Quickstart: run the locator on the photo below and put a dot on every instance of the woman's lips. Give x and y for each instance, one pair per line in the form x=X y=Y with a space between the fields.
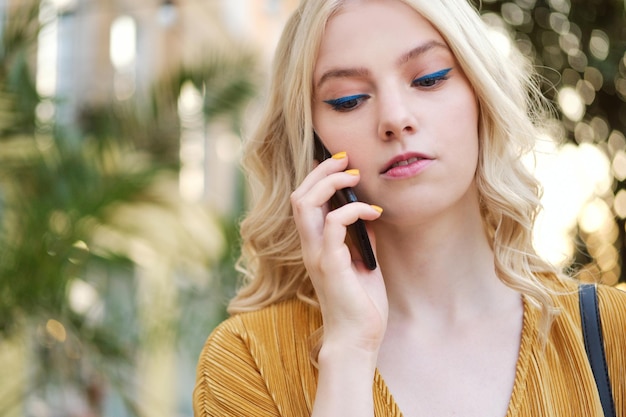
x=404 y=162
x=406 y=165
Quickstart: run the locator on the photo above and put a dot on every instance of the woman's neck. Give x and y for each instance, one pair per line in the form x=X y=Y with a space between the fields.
x=442 y=269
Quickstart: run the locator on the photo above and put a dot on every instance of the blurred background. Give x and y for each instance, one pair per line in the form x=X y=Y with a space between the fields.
x=121 y=123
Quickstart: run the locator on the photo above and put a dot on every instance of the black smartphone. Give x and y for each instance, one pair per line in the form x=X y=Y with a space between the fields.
x=356 y=231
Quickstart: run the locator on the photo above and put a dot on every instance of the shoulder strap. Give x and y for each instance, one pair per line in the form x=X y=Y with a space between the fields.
x=594 y=344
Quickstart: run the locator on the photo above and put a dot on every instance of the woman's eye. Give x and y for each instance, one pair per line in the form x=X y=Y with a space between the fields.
x=347 y=103
x=431 y=80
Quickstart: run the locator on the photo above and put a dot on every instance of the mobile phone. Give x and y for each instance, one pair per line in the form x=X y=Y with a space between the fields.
x=356 y=231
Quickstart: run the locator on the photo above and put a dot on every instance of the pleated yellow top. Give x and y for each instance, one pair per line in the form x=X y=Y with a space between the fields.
x=258 y=364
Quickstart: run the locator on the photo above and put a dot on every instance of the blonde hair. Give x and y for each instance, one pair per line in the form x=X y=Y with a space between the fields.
x=279 y=156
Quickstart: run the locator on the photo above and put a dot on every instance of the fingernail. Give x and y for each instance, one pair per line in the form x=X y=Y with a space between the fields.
x=377 y=208
x=340 y=155
x=353 y=171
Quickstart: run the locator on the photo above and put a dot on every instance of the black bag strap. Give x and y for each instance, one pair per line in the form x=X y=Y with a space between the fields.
x=594 y=345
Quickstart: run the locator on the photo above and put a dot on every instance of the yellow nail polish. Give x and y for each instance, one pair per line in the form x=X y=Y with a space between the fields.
x=340 y=155
x=377 y=208
x=352 y=171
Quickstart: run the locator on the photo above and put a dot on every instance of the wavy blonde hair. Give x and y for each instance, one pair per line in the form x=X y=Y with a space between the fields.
x=280 y=155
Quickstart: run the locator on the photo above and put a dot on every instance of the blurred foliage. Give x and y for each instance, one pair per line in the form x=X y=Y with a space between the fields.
x=578 y=43
x=226 y=81
x=81 y=205
x=579 y=49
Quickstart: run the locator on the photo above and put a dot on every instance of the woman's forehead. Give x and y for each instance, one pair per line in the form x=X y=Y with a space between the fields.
x=385 y=27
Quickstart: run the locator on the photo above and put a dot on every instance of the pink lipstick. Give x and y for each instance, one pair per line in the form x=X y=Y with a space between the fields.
x=406 y=165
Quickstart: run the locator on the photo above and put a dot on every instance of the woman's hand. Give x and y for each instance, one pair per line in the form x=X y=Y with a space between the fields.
x=352 y=298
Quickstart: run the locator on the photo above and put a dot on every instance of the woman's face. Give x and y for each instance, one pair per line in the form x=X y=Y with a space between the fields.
x=389 y=92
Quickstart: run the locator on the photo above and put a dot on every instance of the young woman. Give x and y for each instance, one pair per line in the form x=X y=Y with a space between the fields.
x=426 y=120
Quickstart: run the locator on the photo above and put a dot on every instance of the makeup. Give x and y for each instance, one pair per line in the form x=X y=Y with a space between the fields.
x=347 y=103
x=406 y=165
x=430 y=80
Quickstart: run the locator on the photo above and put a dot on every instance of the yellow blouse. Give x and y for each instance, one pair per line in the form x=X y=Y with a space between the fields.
x=258 y=364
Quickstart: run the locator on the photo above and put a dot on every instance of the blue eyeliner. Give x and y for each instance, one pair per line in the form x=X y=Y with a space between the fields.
x=337 y=103
x=435 y=76
x=347 y=103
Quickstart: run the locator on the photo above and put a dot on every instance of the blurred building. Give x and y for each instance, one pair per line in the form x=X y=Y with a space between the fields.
x=95 y=51
x=113 y=48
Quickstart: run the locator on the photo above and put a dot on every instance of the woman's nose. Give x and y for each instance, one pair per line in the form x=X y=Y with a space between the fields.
x=397 y=117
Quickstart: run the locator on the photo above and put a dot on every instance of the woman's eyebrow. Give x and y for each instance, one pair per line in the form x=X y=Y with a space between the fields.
x=342 y=73
x=363 y=72
x=421 y=49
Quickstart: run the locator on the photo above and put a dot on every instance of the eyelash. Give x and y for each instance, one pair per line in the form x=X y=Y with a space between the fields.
x=348 y=103
x=431 y=80
x=344 y=104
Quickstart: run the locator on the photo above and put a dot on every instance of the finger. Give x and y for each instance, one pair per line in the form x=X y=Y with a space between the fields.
x=357 y=246
x=335 y=231
x=338 y=162
x=310 y=208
